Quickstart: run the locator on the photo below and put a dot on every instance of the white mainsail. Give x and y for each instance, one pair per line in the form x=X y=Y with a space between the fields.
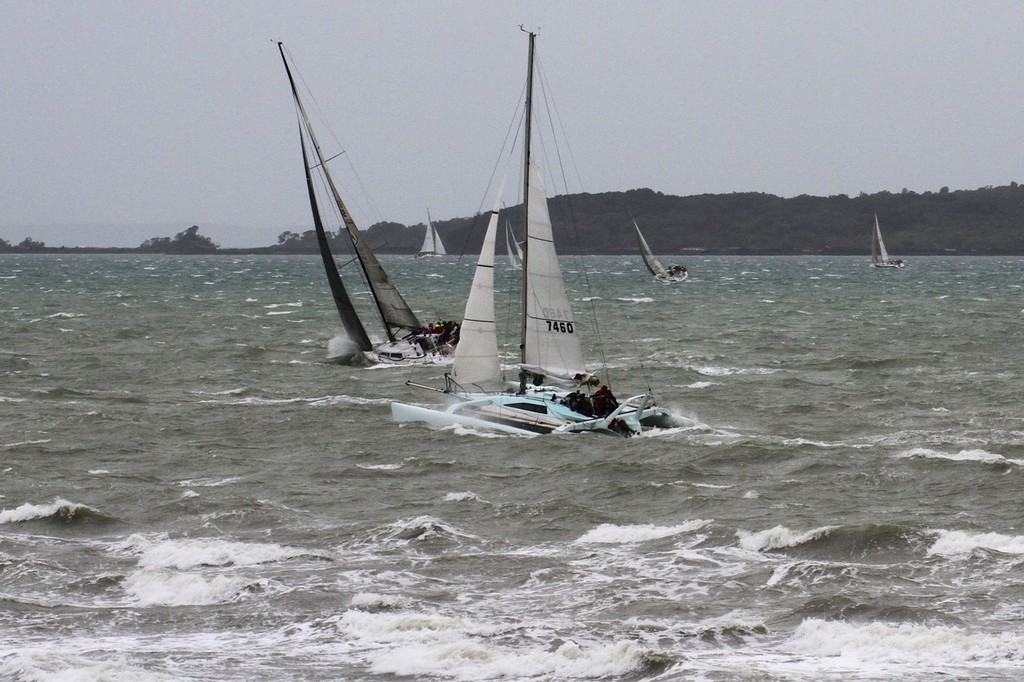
x=653 y=264
x=550 y=346
x=881 y=245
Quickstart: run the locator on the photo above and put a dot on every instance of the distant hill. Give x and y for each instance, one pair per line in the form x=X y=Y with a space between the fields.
x=985 y=221
x=989 y=220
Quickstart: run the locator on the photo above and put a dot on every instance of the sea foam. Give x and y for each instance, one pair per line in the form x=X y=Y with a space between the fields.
x=191 y=553
x=905 y=643
x=958 y=542
x=611 y=534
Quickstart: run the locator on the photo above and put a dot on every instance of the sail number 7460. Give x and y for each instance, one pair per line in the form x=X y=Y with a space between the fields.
x=559 y=326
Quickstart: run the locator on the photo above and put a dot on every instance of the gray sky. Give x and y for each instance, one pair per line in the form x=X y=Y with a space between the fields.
x=178 y=113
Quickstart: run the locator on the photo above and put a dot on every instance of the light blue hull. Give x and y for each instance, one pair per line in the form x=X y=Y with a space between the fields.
x=532 y=415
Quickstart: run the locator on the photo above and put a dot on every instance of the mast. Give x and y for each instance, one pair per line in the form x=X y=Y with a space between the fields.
x=526 y=203
x=349 y=318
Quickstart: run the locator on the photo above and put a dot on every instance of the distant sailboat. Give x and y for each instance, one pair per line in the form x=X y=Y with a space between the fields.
x=879 y=256
x=407 y=340
x=549 y=346
x=432 y=246
x=512 y=248
x=676 y=273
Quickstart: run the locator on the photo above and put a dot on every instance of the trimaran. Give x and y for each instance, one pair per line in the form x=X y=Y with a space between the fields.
x=407 y=339
x=550 y=347
x=879 y=256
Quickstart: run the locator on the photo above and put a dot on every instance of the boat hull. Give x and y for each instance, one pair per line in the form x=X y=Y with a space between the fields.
x=420 y=349
x=534 y=415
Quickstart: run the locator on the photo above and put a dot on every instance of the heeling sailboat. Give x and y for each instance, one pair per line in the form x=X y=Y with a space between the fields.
x=512 y=248
x=677 y=273
x=550 y=346
x=432 y=246
x=879 y=256
x=407 y=340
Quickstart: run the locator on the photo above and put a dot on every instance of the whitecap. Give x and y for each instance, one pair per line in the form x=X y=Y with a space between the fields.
x=190 y=553
x=54 y=666
x=608 y=533
x=370 y=601
x=463 y=497
x=778 y=537
x=160 y=587
x=210 y=483
x=420 y=645
x=983 y=456
x=28 y=442
x=28 y=511
x=904 y=643
x=958 y=542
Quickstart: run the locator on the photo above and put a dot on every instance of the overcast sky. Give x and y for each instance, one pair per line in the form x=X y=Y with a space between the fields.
x=178 y=113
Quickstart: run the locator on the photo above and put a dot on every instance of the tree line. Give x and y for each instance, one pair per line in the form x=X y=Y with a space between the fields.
x=985 y=221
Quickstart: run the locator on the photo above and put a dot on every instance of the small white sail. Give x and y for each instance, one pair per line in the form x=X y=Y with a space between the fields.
x=879 y=255
x=432 y=245
x=653 y=264
x=476 y=356
x=512 y=248
x=881 y=245
x=552 y=346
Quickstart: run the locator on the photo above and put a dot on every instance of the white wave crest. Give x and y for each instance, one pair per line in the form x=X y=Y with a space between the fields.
x=424 y=527
x=463 y=497
x=372 y=601
x=608 y=533
x=958 y=542
x=983 y=456
x=905 y=643
x=778 y=537
x=28 y=511
x=50 y=666
x=160 y=587
x=424 y=645
x=185 y=554
x=718 y=371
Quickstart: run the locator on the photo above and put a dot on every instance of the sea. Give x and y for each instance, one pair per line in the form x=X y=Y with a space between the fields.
x=193 y=487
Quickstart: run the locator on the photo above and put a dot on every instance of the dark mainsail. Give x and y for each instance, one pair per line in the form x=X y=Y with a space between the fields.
x=394 y=311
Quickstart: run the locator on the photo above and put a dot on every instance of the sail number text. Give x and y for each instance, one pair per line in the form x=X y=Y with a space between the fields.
x=559 y=326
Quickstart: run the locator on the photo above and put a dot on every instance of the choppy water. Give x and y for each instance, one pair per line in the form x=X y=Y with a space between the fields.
x=188 y=491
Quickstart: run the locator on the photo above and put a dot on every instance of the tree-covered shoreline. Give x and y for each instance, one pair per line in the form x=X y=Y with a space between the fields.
x=985 y=221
